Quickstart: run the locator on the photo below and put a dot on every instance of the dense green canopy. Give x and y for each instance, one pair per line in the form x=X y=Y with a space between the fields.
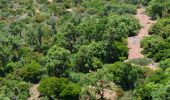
x=74 y=49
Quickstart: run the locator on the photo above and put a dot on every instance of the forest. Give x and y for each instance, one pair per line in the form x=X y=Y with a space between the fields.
x=78 y=50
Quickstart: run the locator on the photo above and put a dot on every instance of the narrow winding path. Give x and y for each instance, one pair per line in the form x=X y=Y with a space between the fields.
x=33 y=91
x=134 y=42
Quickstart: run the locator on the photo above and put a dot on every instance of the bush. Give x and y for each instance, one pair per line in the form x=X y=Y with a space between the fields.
x=39 y=18
x=162 y=55
x=156 y=28
x=165 y=64
x=70 y=92
x=158 y=8
x=31 y=72
x=156 y=47
x=125 y=74
x=13 y=89
x=162 y=93
x=57 y=61
x=141 y=61
x=158 y=77
x=143 y=92
x=165 y=32
x=53 y=87
x=155 y=9
x=88 y=57
x=149 y=45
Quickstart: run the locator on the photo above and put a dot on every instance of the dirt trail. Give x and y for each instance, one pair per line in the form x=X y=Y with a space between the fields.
x=134 y=42
x=34 y=94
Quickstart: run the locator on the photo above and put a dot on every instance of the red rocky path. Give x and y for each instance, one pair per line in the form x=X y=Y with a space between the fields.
x=134 y=42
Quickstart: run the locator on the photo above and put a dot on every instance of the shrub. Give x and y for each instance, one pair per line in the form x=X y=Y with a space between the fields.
x=60 y=88
x=156 y=28
x=164 y=64
x=165 y=32
x=162 y=55
x=70 y=92
x=149 y=44
x=57 y=61
x=31 y=72
x=125 y=74
x=52 y=86
x=158 y=8
x=141 y=61
x=13 y=89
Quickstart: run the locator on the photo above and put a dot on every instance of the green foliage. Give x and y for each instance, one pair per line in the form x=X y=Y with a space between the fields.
x=120 y=73
x=71 y=91
x=149 y=44
x=31 y=72
x=144 y=92
x=108 y=7
x=88 y=57
x=162 y=55
x=51 y=86
x=164 y=64
x=58 y=88
x=162 y=92
x=96 y=90
x=158 y=77
x=13 y=89
x=158 y=8
x=125 y=74
x=158 y=47
x=141 y=61
x=80 y=40
x=159 y=27
x=57 y=61
x=156 y=82
x=154 y=87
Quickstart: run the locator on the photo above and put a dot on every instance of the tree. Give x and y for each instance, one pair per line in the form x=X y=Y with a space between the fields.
x=144 y=92
x=9 y=46
x=165 y=64
x=71 y=35
x=155 y=8
x=158 y=77
x=57 y=61
x=59 y=88
x=150 y=91
x=52 y=22
x=125 y=74
x=13 y=89
x=159 y=26
x=16 y=28
x=52 y=86
x=165 y=32
x=70 y=92
x=158 y=8
x=36 y=36
x=31 y=72
x=88 y=57
x=162 y=55
x=162 y=93
x=149 y=44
